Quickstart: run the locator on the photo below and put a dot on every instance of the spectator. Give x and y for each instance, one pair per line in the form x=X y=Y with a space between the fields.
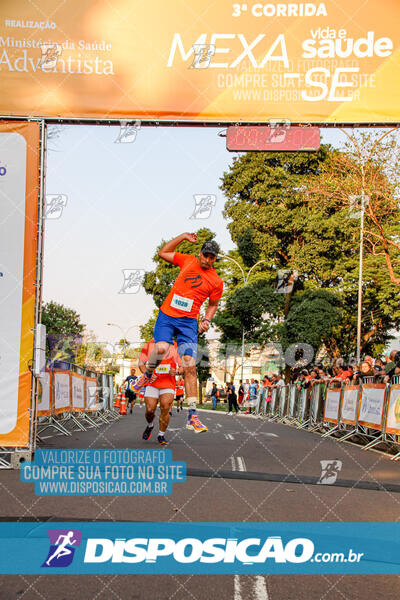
x=241 y=392
x=232 y=399
x=393 y=365
x=214 y=393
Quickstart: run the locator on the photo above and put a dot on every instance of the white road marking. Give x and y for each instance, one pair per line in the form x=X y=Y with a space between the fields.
x=229 y=436
x=249 y=588
x=260 y=588
x=241 y=463
x=237 y=593
x=233 y=463
x=254 y=433
x=219 y=425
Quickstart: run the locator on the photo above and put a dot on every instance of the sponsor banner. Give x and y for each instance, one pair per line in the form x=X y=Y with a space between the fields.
x=332 y=403
x=103 y=472
x=349 y=405
x=43 y=407
x=316 y=61
x=61 y=391
x=222 y=548
x=371 y=405
x=91 y=394
x=393 y=411
x=77 y=392
x=19 y=181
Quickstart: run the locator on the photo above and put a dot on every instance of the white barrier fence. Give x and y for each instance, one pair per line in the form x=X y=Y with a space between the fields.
x=74 y=399
x=368 y=414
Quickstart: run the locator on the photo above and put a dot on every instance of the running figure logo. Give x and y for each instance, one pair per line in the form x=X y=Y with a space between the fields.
x=128 y=132
x=63 y=543
x=329 y=471
x=203 y=205
x=133 y=279
x=55 y=203
x=194 y=279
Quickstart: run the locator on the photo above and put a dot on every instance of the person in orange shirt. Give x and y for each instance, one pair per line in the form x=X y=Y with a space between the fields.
x=180 y=392
x=161 y=388
x=196 y=282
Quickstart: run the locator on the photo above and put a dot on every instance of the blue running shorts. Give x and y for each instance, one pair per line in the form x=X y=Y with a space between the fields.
x=185 y=329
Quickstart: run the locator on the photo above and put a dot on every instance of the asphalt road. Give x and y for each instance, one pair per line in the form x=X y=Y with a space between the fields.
x=243 y=469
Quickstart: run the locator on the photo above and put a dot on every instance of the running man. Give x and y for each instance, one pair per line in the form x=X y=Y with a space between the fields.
x=196 y=282
x=180 y=393
x=161 y=388
x=62 y=550
x=129 y=394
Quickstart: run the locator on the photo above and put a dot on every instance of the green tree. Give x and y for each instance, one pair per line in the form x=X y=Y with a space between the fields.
x=322 y=309
x=64 y=331
x=297 y=209
x=61 y=320
x=146 y=331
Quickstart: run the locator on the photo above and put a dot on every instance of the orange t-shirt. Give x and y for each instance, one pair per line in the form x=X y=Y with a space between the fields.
x=191 y=288
x=180 y=389
x=172 y=360
x=344 y=375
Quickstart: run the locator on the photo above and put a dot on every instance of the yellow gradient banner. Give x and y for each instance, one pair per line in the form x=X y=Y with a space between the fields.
x=19 y=184
x=309 y=62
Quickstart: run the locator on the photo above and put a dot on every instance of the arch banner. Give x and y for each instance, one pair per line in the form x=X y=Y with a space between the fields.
x=303 y=62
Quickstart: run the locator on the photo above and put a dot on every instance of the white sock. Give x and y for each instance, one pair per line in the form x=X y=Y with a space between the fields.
x=161 y=433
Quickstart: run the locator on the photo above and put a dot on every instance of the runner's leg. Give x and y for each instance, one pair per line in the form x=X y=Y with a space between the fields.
x=151 y=405
x=166 y=401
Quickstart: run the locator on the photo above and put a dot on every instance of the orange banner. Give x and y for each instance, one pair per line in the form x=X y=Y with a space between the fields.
x=19 y=185
x=335 y=61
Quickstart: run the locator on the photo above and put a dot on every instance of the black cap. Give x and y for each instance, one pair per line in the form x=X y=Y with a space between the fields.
x=210 y=247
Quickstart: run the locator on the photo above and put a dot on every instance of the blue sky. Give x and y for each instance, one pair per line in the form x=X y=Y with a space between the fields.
x=122 y=199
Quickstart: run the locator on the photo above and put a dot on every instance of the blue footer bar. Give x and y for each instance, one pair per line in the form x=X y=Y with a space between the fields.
x=209 y=548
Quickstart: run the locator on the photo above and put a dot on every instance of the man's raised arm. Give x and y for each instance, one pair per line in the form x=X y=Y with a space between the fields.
x=168 y=250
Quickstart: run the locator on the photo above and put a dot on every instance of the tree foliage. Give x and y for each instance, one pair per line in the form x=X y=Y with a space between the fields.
x=293 y=211
x=61 y=320
x=64 y=331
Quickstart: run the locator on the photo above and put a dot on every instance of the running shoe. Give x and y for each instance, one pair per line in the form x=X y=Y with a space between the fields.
x=196 y=425
x=147 y=433
x=162 y=441
x=140 y=383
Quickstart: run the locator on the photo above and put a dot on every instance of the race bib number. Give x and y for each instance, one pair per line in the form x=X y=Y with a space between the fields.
x=163 y=369
x=182 y=303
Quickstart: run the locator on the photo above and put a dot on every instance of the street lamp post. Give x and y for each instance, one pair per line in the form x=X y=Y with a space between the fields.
x=360 y=277
x=245 y=281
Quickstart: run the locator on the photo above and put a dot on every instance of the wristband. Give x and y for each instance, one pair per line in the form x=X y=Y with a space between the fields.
x=207 y=320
